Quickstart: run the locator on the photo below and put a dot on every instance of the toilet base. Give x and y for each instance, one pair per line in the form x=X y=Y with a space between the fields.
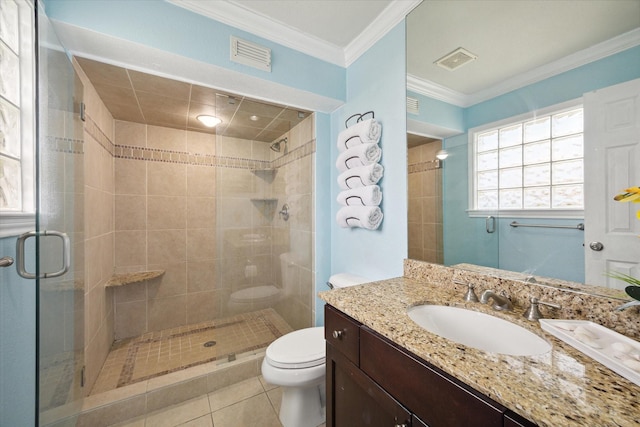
x=303 y=406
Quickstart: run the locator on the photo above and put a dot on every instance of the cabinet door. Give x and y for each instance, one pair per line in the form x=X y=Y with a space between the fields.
x=354 y=400
x=437 y=398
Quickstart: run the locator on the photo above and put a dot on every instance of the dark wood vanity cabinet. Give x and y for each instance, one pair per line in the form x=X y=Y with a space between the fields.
x=373 y=382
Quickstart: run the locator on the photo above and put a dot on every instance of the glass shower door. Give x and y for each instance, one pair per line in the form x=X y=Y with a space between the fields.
x=59 y=234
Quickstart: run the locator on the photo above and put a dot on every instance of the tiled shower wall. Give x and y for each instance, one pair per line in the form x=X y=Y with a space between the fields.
x=164 y=220
x=98 y=225
x=192 y=204
x=425 y=204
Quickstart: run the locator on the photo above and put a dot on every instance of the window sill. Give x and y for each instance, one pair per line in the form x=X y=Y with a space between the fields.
x=528 y=213
x=16 y=223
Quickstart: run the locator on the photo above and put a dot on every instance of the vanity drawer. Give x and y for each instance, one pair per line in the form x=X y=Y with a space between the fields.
x=343 y=333
x=434 y=396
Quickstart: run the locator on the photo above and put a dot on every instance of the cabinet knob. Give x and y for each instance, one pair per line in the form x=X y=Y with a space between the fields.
x=338 y=334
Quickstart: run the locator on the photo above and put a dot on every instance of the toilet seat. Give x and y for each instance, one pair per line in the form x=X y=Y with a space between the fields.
x=255 y=294
x=304 y=348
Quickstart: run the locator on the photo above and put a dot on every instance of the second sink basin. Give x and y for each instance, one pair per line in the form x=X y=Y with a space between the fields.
x=478 y=330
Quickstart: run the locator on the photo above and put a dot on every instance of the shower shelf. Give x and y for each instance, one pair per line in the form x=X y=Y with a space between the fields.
x=264 y=170
x=128 y=278
x=265 y=200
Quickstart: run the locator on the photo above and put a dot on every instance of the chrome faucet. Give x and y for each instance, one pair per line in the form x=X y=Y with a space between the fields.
x=500 y=302
x=627 y=305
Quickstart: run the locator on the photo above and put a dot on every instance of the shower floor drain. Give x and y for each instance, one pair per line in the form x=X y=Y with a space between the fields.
x=209 y=343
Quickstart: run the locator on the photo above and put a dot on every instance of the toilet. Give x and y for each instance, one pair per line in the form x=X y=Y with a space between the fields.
x=296 y=362
x=260 y=297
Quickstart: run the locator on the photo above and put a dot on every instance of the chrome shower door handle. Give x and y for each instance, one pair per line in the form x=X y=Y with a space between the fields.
x=20 y=255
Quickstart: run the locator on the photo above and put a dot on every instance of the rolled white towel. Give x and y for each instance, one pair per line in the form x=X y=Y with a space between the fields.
x=370 y=195
x=361 y=176
x=364 y=132
x=360 y=155
x=368 y=217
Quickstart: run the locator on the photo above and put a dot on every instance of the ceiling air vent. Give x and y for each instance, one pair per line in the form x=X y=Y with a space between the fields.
x=413 y=106
x=253 y=55
x=456 y=59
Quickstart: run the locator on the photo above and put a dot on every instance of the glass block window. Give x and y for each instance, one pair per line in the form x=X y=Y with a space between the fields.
x=17 y=102
x=534 y=164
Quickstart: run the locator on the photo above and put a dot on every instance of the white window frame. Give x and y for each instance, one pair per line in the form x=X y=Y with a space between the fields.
x=517 y=213
x=15 y=222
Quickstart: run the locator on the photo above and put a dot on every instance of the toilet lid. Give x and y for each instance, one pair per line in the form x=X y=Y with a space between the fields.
x=255 y=293
x=303 y=348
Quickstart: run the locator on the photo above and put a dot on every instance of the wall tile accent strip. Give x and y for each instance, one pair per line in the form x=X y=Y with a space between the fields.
x=424 y=166
x=65 y=145
x=170 y=156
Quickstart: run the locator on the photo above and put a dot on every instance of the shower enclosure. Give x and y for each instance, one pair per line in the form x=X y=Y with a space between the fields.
x=199 y=242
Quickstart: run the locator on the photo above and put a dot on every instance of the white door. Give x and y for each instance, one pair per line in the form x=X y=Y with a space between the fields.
x=612 y=164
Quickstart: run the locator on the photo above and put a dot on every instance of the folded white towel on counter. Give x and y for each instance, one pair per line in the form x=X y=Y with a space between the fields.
x=361 y=176
x=360 y=155
x=364 y=132
x=370 y=195
x=368 y=217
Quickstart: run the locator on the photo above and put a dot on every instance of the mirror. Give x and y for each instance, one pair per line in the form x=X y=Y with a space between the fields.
x=443 y=103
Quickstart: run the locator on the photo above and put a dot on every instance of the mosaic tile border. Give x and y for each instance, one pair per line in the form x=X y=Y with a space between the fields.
x=126 y=375
x=183 y=157
x=424 y=166
x=65 y=145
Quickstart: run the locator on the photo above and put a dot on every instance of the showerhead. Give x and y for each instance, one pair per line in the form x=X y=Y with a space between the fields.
x=276 y=145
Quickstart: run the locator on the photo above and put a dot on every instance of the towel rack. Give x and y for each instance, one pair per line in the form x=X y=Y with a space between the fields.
x=359 y=117
x=580 y=226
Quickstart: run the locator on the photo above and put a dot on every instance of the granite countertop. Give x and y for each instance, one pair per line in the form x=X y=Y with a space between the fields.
x=561 y=388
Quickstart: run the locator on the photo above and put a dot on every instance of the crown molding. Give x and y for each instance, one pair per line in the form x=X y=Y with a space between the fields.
x=393 y=14
x=240 y=17
x=436 y=91
x=237 y=16
x=602 y=50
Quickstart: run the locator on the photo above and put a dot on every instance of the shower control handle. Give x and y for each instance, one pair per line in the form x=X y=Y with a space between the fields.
x=284 y=213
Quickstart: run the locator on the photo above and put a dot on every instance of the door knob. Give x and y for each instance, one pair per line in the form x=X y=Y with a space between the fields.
x=596 y=246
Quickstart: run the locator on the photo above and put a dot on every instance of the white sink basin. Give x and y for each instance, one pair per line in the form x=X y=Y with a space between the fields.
x=478 y=330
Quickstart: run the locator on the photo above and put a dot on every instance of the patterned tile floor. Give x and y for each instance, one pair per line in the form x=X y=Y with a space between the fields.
x=158 y=353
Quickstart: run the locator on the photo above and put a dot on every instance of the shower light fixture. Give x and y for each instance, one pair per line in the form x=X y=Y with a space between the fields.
x=254 y=118
x=209 y=121
x=442 y=154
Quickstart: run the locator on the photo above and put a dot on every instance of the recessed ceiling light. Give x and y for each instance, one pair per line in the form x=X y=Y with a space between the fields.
x=209 y=121
x=254 y=118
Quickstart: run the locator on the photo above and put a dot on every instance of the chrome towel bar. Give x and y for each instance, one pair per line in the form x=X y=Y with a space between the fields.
x=574 y=227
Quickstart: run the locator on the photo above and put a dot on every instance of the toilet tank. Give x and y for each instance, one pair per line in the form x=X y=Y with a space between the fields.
x=343 y=280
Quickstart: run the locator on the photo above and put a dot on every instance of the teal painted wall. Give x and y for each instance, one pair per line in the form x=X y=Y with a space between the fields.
x=376 y=81
x=323 y=217
x=555 y=253
x=17 y=341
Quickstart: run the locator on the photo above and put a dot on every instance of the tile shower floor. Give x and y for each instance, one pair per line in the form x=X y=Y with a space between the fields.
x=157 y=353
